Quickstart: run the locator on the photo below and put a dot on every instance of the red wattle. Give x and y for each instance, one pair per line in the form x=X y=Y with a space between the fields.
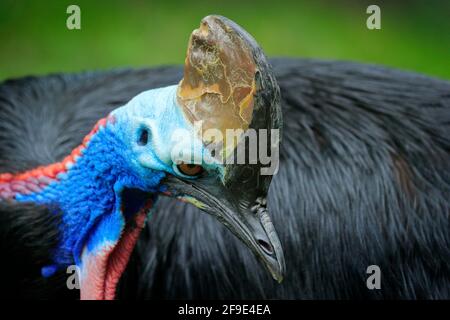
x=102 y=270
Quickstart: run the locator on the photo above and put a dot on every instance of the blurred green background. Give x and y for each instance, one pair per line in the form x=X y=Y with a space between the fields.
x=415 y=35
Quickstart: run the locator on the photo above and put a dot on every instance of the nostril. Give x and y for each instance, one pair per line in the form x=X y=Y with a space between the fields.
x=266 y=246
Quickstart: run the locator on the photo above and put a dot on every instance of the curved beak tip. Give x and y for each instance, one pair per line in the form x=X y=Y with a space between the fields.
x=279 y=271
x=279 y=278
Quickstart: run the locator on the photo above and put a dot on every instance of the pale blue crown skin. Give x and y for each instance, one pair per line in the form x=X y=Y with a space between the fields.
x=158 y=111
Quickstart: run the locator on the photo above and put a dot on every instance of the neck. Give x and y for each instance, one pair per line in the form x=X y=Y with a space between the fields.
x=98 y=195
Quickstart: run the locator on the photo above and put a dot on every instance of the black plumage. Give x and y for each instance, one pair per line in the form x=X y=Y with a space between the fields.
x=364 y=179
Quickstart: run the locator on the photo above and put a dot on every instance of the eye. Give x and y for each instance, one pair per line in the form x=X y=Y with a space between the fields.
x=191 y=170
x=143 y=137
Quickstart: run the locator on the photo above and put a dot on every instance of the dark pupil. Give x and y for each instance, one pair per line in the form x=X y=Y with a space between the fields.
x=191 y=166
x=143 y=138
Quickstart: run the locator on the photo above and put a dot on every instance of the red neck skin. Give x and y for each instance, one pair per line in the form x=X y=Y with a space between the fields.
x=101 y=272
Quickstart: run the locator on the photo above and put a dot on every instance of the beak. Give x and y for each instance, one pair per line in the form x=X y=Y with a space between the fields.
x=251 y=224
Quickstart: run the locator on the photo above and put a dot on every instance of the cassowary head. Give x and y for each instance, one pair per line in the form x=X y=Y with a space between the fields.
x=211 y=140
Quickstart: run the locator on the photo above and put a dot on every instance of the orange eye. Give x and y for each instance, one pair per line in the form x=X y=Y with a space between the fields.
x=189 y=169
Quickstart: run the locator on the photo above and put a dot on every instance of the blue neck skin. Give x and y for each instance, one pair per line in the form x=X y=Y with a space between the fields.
x=91 y=191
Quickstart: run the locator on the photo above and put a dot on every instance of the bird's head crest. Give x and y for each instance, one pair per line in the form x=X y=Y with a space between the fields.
x=227 y=83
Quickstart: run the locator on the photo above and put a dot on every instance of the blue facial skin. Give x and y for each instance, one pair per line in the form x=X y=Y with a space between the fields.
x=89 y=194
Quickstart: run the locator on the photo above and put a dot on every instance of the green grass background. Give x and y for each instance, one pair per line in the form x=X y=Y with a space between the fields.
x=34 y=39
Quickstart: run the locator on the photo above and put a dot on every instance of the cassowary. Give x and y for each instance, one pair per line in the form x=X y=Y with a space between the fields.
x=363 y=180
